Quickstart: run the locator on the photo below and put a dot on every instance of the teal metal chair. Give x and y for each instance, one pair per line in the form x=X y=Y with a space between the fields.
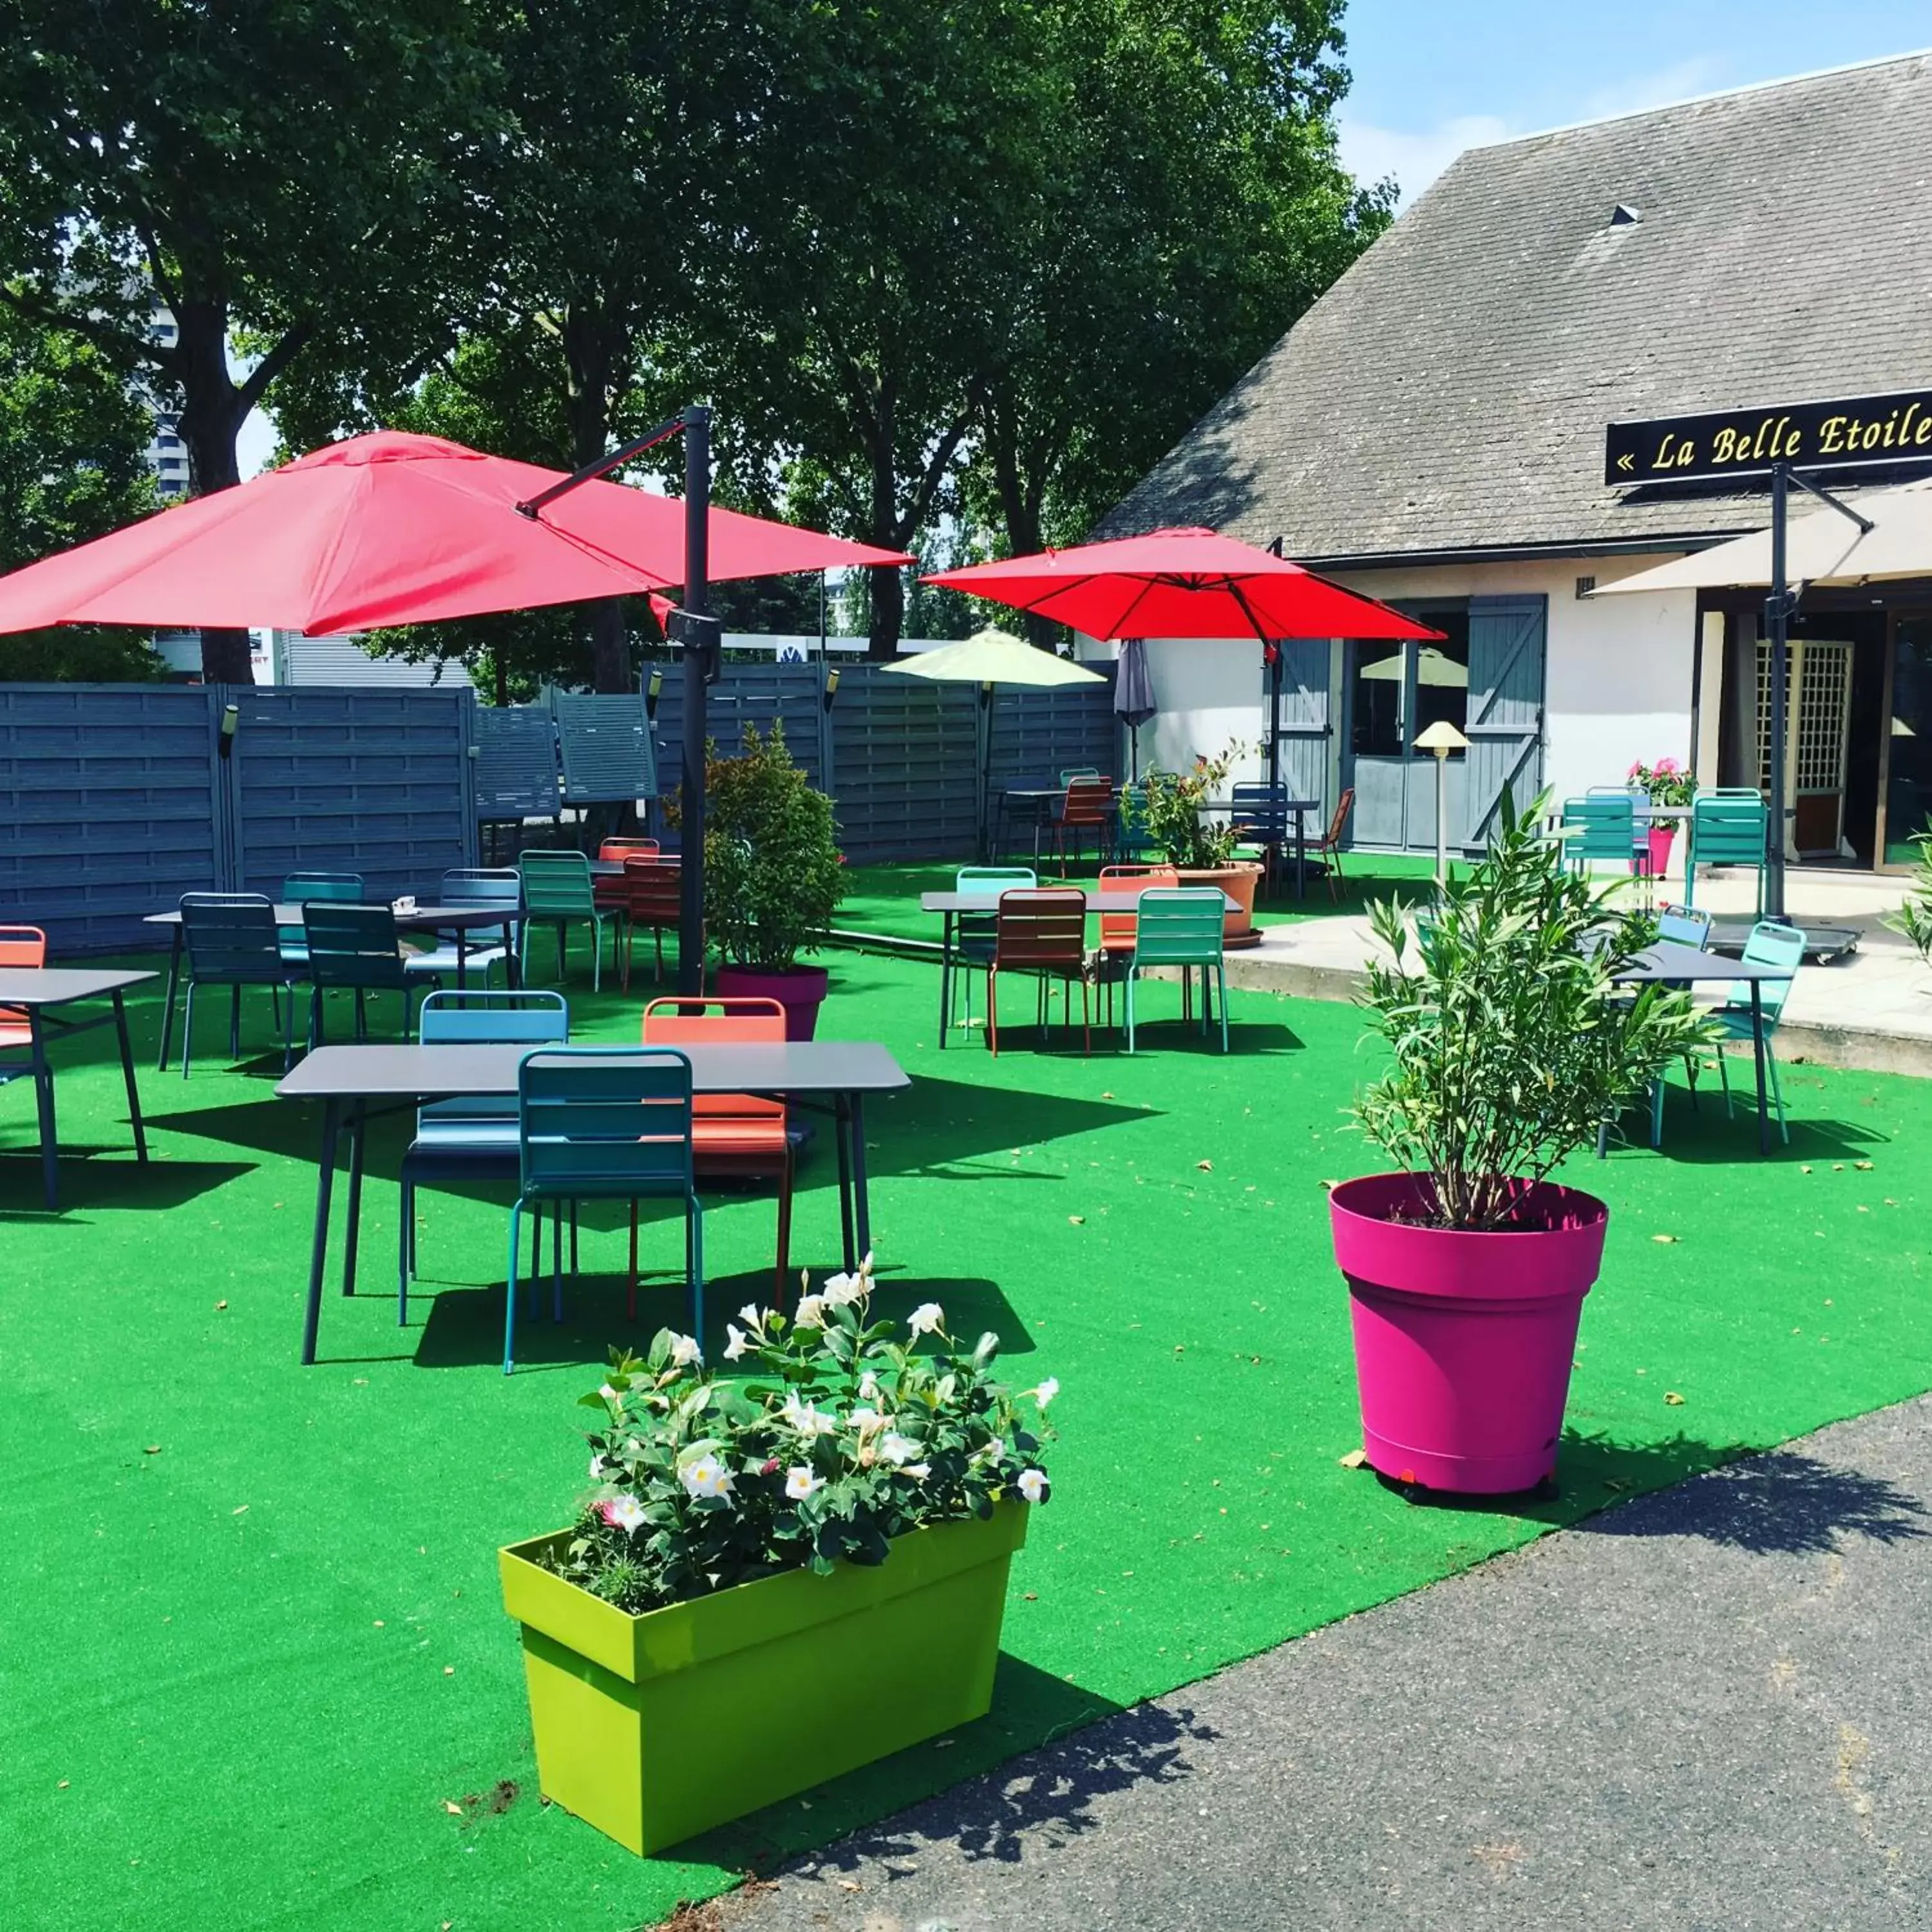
x=474 y=1138
x=1770 y=944
x=1181 y=928
x=299 y=888
x=1681 y=927
x=1599 y=828
x=232 y=940
x=604 y=1124
x=1727 y=828
x=468 y=885
x=558 y=891
x=1070 y=773
x=353 y=949
x=974 y=933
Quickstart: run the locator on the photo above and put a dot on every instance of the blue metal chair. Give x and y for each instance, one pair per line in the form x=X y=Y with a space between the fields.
x=1181 y=928
x=974 y=933
x=475 y=885
x=232 y=940
x=1727 y=828
x=1260 y=814
x=354 y=948
x=474 y=1138
x=299 y=888
x=1770 y=944
x=604 y=1124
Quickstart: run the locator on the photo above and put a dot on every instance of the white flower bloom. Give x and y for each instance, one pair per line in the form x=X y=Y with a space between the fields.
x=707 y=1477
x=750 y=1316
x=927 y=1318
x=866 y=1421
x=1033 y=1485
x=898 y=1450
x=608 y=1393
x=734 y=1341
x=624 y=1512
x=685 y=1351
x=808 y=1418
x=801 y=1482
x=866 y=1266
x=1047 y=1391
x=995 y=1451
x=869 y=1386
x=597 y=1468
x=919 y=1472
x=840 y=1289
x=810 y=1313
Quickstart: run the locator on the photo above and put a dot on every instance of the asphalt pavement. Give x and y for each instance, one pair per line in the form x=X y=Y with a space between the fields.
x=1708 y=1710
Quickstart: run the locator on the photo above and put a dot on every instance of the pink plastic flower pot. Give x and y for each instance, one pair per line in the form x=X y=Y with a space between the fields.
x=1659 y=838
x=801 y=991
x=1463 y=1341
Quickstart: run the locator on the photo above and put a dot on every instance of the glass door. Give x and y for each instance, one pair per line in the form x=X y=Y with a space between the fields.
x=1908 y=748
x=1395 y=691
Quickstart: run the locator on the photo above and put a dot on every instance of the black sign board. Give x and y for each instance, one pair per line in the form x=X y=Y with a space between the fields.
x=1863 y=433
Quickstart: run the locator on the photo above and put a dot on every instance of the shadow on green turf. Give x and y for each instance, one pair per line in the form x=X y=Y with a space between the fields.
x=117 y=1184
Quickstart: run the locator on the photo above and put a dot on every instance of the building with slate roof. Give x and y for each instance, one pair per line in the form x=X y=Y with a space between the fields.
x=1433 y=432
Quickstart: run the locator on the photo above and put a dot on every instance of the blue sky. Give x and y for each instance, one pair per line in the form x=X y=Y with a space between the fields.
x=1434 y=76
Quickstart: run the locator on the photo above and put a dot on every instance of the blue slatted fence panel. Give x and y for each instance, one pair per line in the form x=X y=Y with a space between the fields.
x=1041 y=733
x=763 y=694
x=379 y=782
x=516 y=762
x=904 y=753
x=605 y=746
x=107 y=809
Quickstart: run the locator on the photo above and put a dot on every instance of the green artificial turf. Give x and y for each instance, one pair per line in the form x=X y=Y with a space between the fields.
x=254 y=1651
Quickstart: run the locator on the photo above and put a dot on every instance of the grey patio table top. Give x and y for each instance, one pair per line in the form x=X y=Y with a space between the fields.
x=40 y=991
x=1096 y=902
x=353 y=1082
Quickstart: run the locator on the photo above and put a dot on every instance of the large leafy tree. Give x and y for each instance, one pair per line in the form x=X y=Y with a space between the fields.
x=73 y=437
x=283 y=167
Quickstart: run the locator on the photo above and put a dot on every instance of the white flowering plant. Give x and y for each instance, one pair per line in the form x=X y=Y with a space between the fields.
x=822 y=1437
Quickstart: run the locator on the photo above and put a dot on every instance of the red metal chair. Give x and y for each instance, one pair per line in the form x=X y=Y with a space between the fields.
x=1088 y=806
x=610 y=891
x=742 y=1135
x=19 y=945
x=652 y=897
x=1329 y=850
x=1119 y=931
x=1042 y=931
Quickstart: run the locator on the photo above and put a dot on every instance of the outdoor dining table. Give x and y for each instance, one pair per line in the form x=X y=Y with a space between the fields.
x=461 y=920
x=41 y=992
x=950 y=905
x=356 y=1083
x=1671 y=963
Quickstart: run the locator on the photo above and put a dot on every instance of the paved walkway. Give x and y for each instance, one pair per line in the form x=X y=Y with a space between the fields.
x=1709 y=1710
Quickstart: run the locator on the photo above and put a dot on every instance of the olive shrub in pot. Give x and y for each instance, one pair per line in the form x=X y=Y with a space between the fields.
x=1511 y=1042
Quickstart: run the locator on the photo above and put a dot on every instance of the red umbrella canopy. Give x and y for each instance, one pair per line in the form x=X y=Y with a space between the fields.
x=1181 y=583
x=391 y=529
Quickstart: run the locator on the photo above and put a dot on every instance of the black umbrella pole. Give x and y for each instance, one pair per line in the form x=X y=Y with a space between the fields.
x=697 y=599
x=1777 y=618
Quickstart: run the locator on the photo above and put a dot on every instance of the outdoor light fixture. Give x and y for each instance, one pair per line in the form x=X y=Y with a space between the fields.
x=831 y=688
x=231 y=716
x=652 y=687
x=1441 y=738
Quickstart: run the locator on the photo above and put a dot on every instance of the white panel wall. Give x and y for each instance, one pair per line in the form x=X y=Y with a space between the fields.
x=1209 y=690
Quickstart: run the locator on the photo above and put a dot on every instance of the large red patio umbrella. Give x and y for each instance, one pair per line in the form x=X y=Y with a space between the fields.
x=392 y=529
x=1185 y=583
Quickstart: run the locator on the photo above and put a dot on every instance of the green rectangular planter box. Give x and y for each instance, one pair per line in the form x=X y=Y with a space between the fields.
x=653 y=1728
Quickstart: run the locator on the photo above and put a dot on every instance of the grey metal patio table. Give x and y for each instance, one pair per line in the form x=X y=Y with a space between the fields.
x=354 y=1083
x=459 y=919
x=950 y=905
x=1670 y=963
x=40 y=992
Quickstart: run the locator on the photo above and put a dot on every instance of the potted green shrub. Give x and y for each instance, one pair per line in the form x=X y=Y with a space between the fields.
x=773 y=876
x=1511 y=1042
x=1202 y=849
x=781 y=1571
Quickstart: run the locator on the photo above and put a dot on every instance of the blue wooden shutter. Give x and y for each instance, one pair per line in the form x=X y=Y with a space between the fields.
x=1305 y=727
x=1507 y=648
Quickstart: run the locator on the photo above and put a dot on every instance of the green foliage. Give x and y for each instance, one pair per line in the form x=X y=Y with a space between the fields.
x=772 y=875
x=1511 y=1043
x=1913 y=920
x=1173 y=809
x=827 y=1440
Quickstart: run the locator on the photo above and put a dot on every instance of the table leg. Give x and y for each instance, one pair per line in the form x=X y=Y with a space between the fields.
x=127 y=1074
x=168 y=1005
x=841 y=1118
x=1301 y=858
x=325 y=1178
x=462 y=958
x=358 y=1135
x=945 y=978
x=1757 y=1053
x=44 y=1109
x=862 y=1210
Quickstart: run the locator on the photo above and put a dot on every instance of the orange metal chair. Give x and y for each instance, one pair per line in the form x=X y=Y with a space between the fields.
x=1088 y=806
x=19 y=945
x=742 y=1134
x=1329 y=850
x=610 y=891
x=1042 y=931
x=652 y=896
x=1119 y=931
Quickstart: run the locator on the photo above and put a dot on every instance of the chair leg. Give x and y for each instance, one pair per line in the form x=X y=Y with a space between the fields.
x=235 y=1021
x=1657 y=1111
x=188 y=1027
x=556 y=1213
x=596 y=954
x=403 y=1256
x=1221 y=978
x=785 y=1224
x=693 y=1215
x=992 y=1009
x=510 y=1285
x=1724 y=1078
x=1776 y=1092
x=1133 y=974
x=1086 y=1020
x=630 y=1299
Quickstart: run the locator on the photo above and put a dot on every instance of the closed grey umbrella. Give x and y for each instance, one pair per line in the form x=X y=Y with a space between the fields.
x=1133 y=695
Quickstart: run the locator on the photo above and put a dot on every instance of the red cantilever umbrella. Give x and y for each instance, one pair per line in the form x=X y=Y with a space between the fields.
x=391 y=529
x=1184 y=583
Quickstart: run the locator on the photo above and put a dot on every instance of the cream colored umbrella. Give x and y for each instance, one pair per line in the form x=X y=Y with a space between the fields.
x=987 y=657
x=1822 y=547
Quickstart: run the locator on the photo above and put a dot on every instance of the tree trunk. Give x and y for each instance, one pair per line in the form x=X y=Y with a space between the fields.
x=1021 y=509
x=888 y=609
x=888 y=587
x=592 y=347
x=212 y=412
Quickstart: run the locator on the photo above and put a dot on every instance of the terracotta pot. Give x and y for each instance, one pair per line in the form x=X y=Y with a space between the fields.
x=1238 y=881
x=1463 y=1339
x=800 y=990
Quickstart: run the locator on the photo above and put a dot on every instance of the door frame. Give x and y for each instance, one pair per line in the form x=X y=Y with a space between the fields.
x=1419 y=608
x=1919 y=609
